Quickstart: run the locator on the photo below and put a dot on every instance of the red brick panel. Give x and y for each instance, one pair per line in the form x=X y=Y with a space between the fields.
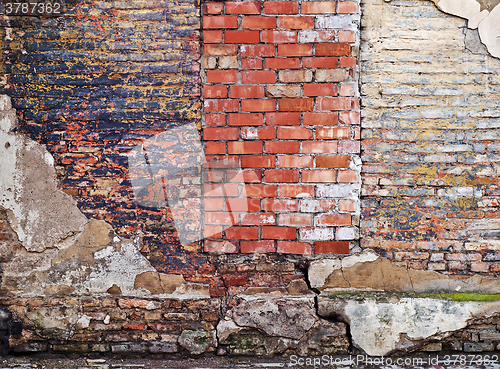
x=281 y=115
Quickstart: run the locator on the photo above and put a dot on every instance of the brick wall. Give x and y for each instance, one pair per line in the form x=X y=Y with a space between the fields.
x=430 y=141
x=281 y=115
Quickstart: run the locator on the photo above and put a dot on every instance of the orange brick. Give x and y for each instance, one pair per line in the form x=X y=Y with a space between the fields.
x=333 y=49
x=295 y=219
x=220 y=22
x=335 y=103
x=334 y=247
x=350 y=118
x=290 y=247
x=286 y=119
x=281 y=7
x=246 y=119
x=282 y=63
x=292 y=161
x=215 y=148
x=279 y=205
x=244 y=147
x=320 y=62
x=258 y=22
x=347 y=205
x=288 y=190
x=242 y=204
x=215 y=120
x=320 y=89
x=332 y=133
x=322 y=119
x=258 y=161
x=347 y=36
x=251 y=63
x=278 y=37
x=282 y=147
x=257 y=246
x=295 y=50
x=211 y=37
x=318 y=7
x=294 y=133
x=240 y=7
x=258 y=105
x=319 y=176
x=347 y=7
x=241 y=37
x=214 y=92
x=214 y=8
x=279 y=233
x=214 y=204
x=222 y=105
x=247 y=92
x=347 y=176
x=319 y=147
x=223 y=50
x=301 y=22
x=222 y=76
x=333 y=161
x=265 y=76
x=212 y=231
x=216 y=190
x=220 y=133
x=347 y=62
x=285 y=176
x=334 y=219
x=257 y=190
x=242 y=233
x=296 y=104
x=264 y=133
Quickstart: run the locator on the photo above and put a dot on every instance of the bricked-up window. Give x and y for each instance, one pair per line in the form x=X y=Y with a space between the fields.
x=281 y=126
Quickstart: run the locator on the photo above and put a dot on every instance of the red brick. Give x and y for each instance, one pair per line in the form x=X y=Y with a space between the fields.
x=258 y=22
x=285 y=119
x=220 y=22
x=296 y=104
x=281 y=7
x=246 y=119
x=300 y=22
x=234 y=279
x=347 y=89
x=260 y=190
x=214 y=92
x=288 y=190
x=212 y=231
x=320 y=89
x=335 y=103
x=290 y=247
x=332 y=133
x=333 y=161
x=251 y=63
x=242 y=204
x=279 y=233
x=245 y=176
x=260 y=161
x=347 y=36
x=264 y=133
x=347 y=176
x=135 y=326
x=214 y=175
x=334 y=247
x=252 y=51
x=282 y=147
x=334 y=219
x=282 y=63
x=258 y=219
x=347 y=7
x=294 y=133
x=258 y=76
x=347 y=62
x=211 y=37
x=258 y=105
x=319 y=147
x=212 y=217
x=229 y=189
x=214 y=204
x=211 y=50
x=214 y=148
x=222 y=106
x=257 y=246
x=320 y=62
x=214 y=8
x=221 y=161
x=276 y=176
x=279 y=37
x=319 y=176
x=241 y=37
x=295 y=219
x=215 y=120
x=295 y=50
x=244 y=147
x=318 y=7
x=347 y=205
x=240 y=7
x=220 y=134
x=317 y=36
x=242 y=233
x=292 y=161
x=349 y=147
x=316 y=206
x=247 y=92
x=350 y=118
x=295 y=76
x=333 y=49
x=222 y=76
x=279 y=205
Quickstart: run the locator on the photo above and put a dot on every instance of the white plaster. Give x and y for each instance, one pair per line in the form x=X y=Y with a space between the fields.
x=320 y=270
x=489 y=32
x=365 y=256
x=468 y=9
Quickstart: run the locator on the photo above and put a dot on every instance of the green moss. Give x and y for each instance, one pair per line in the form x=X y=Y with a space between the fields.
x=385 y=296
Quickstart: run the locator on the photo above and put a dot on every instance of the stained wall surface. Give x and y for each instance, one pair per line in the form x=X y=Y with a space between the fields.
x=430 y=140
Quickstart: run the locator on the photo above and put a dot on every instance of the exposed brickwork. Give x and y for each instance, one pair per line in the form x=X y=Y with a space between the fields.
x=281 y=104
x=430 y=141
